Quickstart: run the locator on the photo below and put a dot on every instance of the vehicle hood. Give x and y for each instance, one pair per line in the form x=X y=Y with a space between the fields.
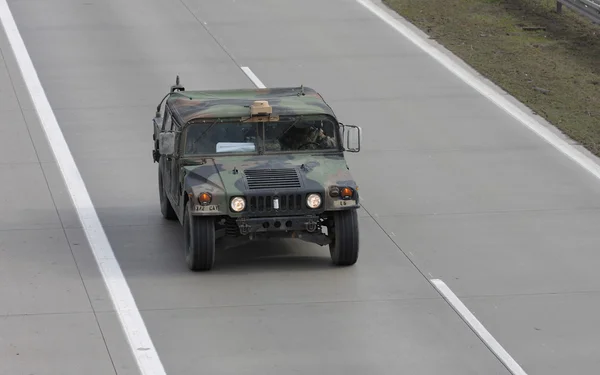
x=316 y=172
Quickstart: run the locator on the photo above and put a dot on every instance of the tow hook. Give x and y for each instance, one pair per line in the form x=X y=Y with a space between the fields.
x=311 y=226
x=244 y=228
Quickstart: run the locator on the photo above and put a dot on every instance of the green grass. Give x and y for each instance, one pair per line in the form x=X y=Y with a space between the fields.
x=554 y=71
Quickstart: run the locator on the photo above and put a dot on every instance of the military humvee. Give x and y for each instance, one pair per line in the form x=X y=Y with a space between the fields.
x=246 y=164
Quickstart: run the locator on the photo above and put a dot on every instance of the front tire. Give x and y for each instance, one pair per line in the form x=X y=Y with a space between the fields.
x=344 y=234
x=199 y=241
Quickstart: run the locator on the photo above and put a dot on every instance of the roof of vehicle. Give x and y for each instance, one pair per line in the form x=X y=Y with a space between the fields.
x=190 y=105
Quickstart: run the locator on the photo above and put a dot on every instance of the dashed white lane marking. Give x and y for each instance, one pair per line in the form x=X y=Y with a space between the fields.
x=486 y=90
x=253 y=77
x=450 y=297
x=133 y=325
x=478 y=328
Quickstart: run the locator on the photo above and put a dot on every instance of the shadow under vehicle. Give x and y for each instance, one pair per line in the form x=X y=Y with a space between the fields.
x=245 y=164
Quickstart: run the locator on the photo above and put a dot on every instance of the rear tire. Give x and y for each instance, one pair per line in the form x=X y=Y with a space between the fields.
x=344 y=234
x=165 y=206
x=199 y=241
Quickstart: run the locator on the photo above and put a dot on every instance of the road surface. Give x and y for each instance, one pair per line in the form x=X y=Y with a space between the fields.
x=454 y=188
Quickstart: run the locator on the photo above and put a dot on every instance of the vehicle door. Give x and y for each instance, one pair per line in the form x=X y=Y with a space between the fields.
x=167 y=161
x=174 y=165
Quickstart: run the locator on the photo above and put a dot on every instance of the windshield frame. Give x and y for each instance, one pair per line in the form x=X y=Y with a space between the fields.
x=260 y=131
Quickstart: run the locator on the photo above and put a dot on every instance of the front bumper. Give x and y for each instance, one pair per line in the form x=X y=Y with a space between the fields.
x=307 y=223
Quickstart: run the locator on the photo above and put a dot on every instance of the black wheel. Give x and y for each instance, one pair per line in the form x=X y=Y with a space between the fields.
x=344 y=234
x=165 y=206
x=199 y=241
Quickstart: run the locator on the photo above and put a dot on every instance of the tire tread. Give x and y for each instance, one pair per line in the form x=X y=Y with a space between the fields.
x=344 y=251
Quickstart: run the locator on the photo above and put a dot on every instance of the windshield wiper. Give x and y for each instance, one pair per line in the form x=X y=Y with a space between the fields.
x=293 y=123
x=206 y=131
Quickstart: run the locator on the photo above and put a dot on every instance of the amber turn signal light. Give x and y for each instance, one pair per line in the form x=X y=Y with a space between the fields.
x=204 y=198
x=346 y=193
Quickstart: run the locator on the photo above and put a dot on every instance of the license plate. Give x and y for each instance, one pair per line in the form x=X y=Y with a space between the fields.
x=209 y=208
x=341 y=203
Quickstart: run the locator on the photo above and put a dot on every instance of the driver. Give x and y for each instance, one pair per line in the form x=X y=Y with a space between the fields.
x=310 y=138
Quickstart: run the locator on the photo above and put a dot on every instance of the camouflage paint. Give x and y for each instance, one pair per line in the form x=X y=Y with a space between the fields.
x=217 y=177
x=191 y=105
x=223 y=176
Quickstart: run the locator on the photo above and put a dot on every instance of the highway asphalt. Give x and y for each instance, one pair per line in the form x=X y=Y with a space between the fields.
x=453 y=188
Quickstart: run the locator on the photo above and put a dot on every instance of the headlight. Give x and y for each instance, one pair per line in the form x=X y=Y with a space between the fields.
x=238 y=204
x=313 y=200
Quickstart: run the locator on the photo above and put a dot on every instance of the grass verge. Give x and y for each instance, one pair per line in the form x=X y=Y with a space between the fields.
x=548 y=61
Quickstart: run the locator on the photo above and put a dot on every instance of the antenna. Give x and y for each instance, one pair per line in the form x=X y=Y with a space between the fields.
x=177 y=86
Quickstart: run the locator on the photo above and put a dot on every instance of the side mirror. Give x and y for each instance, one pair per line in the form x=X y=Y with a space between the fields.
x=352 y=137
x=166 y=143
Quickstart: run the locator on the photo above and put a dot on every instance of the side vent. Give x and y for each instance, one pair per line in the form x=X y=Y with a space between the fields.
x=272 y=178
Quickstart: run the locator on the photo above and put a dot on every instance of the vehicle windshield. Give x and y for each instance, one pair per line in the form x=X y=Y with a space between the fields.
x=219 y=137
x=288 y=134
x=301 y=134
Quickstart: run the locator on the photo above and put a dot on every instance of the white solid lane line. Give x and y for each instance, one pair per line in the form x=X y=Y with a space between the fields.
x=478 y=328
x=133 y=325
x=253 y=77
x=486 y=90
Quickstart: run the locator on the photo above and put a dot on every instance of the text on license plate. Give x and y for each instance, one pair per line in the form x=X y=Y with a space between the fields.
x=210 y=207
x=341 y=203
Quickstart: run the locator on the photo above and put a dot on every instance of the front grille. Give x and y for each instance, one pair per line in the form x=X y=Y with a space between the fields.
x=288 y=203
x=272 y=178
